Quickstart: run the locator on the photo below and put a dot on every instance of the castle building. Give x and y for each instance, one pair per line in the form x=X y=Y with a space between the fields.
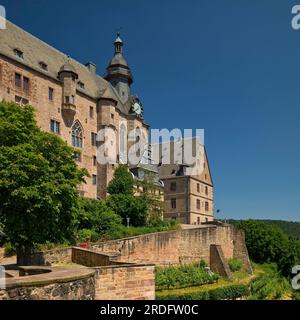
x=70 y=99
x=74 y=102
x=188 y=188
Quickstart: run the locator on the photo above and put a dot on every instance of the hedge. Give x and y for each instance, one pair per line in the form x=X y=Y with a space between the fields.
x=224 y=293
x=182 y=276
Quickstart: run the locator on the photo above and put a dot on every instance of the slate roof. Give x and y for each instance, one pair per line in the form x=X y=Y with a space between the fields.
x=35 y=52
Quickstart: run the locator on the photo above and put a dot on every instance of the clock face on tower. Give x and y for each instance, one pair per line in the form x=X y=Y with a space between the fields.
x=137 y=108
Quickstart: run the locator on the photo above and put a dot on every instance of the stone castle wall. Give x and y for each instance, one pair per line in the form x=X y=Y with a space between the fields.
x=125 y=282
x=175 y=247
x=60 y=284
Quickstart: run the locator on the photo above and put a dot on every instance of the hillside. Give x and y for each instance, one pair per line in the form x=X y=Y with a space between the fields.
x=289 y=227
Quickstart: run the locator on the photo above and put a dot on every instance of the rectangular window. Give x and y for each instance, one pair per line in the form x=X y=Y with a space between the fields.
x=206 y=191
x=173 y=203
x=67 y=99
x=18 y=80
x=206 y=206
x=94 y=138
x=91 y=112
x=198 y=204
x=94 y=161
x=25 y=84
x=54 y=126
x=94 y=178
x=50 y=94
x=198 y=187
x=173 y=186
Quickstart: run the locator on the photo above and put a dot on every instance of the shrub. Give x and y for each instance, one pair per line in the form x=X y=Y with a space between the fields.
x=9 y=249
x=235 y=264
x=182 y=276
x=224 y=293
x=87 y=235
x=202 y=264
x=94 y=219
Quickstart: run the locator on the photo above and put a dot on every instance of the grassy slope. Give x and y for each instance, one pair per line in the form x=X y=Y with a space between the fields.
x=239 y=277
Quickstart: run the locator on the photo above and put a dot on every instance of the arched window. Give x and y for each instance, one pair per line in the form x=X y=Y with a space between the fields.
x=122 y=138
x=77 y=135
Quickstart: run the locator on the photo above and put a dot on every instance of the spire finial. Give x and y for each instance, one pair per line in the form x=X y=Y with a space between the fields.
x=118 y=43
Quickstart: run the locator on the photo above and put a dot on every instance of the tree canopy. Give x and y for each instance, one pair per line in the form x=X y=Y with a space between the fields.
x=122 y=199
x=38 y=180
x=268 y=243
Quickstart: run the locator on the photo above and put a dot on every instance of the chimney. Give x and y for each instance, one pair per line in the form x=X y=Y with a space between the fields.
x=91 y=66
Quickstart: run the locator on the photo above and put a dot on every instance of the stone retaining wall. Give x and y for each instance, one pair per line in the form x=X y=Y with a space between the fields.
x=49 y=257
x=125 y=282
x=1 y=253
x=184 y=246
x=60 y=284
x=90 y=258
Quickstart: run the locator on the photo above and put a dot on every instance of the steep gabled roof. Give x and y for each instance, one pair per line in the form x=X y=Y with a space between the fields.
x=35 y=52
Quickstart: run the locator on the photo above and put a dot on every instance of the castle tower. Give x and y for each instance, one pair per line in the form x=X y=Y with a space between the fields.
x=118 y=72
x=68 y=76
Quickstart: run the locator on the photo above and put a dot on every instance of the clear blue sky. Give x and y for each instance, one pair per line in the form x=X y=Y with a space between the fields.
x=231 y=67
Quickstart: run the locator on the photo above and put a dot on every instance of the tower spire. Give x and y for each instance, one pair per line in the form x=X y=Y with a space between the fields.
x=118 y=44
x=118 y=72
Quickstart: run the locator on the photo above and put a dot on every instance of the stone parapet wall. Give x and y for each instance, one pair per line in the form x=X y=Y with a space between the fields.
x=125 y=282
x=50 y=257
x=89 y=258
x=174 y=247
x=60 y=284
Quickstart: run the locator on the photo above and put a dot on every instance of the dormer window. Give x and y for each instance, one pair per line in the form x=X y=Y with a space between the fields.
x=43 y=66
x=80 y=84
x=18 y=53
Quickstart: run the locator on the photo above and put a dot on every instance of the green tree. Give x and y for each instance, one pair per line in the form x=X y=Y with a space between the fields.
x=129 y=206
x=122 y=199
x=122 y=182
x=38 y=182
x=268 y=243
x=96 y=215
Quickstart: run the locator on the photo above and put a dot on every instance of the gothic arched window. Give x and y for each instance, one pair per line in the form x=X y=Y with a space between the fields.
x=77 y=135
x=123 y=139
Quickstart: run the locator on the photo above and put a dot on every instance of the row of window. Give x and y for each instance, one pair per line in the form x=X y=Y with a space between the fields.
x=198 y=204
x=173 y=187
x=23 y=82
x=76 y=135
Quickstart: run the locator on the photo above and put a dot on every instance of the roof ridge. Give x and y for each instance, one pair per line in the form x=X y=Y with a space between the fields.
x=47 y=44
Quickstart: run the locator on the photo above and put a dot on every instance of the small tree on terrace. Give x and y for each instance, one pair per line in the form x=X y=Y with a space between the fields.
x=122 y=200
x=38 y=182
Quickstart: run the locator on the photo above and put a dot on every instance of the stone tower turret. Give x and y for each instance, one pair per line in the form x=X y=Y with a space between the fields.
x=118 y=72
